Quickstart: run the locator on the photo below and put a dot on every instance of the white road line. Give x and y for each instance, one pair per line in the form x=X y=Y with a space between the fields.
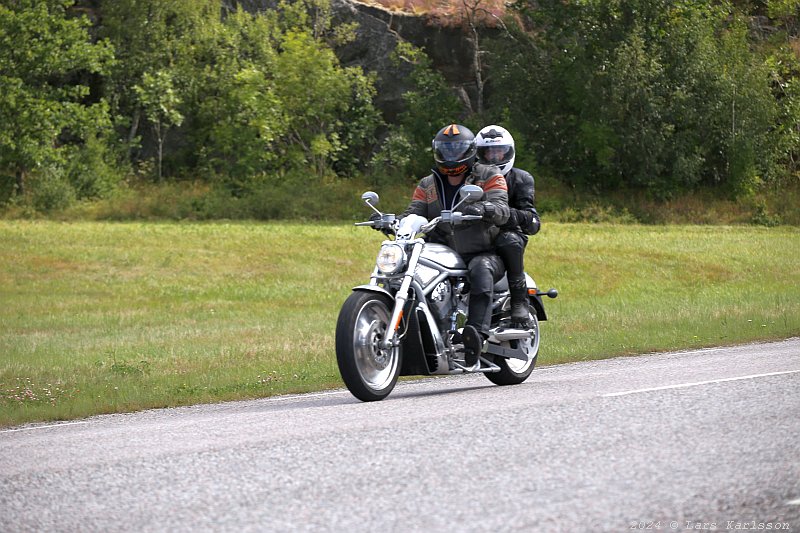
x=43 y=427
x=794 y=502
x=685 y=385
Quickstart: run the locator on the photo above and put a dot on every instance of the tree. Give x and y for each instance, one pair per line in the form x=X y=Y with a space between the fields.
x=429 y=105
x=45 y=103
x=230 y=99
x=263 y=95
x=476 y=16
x=650 y=94
x=149 y=37
x=160 y=102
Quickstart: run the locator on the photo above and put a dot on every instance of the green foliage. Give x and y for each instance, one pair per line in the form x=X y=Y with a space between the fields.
x=149 y=38
x=50 y=190
x=659 y=96
x=233 y=112
x=95 y=169
x=647 y=94
x=159 y=100
x=46 y=109
x=429 y=105
x=311 y=109
x=255 y=95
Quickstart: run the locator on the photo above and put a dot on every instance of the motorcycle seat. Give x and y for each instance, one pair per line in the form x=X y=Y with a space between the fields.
x=501 y=286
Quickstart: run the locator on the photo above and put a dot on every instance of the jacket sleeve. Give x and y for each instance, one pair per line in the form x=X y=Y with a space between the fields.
x=417 y=205
x=524 y=212
x=496 y=198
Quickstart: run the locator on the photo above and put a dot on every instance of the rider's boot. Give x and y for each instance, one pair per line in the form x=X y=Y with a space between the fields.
x=473 y=345
x=520 y=312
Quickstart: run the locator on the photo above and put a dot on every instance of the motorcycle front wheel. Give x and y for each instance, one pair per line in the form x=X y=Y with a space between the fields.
x=369 y=370
x=515 y=371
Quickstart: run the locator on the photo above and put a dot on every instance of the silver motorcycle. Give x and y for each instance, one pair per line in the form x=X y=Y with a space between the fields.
x=407 y=321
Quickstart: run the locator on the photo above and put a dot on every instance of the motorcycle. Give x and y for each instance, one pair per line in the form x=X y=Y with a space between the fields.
x=407 y=320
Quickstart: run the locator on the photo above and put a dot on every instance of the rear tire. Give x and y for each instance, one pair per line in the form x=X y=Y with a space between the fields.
x=514 y=371
x=368 y=371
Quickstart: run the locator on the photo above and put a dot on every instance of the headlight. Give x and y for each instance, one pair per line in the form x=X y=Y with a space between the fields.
x=391 y=258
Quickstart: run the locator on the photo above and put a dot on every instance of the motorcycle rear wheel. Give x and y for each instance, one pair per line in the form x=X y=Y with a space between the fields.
x=515 y=371
x=369 y=371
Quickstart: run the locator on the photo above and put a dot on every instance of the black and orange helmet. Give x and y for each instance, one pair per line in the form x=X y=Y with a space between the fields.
x=454 y=149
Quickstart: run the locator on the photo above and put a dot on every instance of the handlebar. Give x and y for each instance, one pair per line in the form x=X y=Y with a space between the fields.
x=449 y=217
x=387 y=221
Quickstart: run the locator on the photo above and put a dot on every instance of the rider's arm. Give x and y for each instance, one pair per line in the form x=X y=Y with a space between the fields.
x=496 y=198
x=419 y=202
x=525 y=214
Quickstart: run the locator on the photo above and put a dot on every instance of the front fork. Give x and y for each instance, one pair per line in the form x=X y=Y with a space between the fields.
x=392 y=340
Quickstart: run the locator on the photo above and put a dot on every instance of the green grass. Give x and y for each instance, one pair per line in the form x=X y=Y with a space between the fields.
x=113 y=317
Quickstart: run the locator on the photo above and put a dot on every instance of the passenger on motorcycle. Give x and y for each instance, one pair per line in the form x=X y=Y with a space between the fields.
x=454 y=152
x=495 y=146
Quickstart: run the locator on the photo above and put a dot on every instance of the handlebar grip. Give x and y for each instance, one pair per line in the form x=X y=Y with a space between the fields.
x=370 y=223
x=471 y=217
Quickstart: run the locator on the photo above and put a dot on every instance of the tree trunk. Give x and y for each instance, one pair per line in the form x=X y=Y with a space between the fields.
x=134 y=125
x=20 y=190
x=471 y=12
x=160 y=139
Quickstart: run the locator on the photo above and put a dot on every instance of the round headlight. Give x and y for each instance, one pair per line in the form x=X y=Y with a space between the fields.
x=390 y=259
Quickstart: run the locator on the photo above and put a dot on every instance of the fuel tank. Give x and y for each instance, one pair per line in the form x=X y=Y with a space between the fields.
x=442 y=255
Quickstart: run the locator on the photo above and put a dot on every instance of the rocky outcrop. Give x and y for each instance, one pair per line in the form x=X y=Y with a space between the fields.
x=377 y=35
x=441 y=35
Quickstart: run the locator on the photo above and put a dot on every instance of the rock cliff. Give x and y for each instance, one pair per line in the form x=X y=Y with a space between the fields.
x=439 y=30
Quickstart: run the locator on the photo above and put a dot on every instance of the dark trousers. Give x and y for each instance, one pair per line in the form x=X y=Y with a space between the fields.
x=484 y=271
x=510 y=246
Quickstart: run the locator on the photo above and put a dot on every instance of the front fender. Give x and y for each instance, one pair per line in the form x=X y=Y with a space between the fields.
x=374 y=288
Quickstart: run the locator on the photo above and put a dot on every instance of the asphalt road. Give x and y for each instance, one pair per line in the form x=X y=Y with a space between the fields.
x=668 y=442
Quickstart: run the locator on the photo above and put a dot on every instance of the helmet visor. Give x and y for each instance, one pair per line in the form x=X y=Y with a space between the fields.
x=495 y=155
x=452 y=151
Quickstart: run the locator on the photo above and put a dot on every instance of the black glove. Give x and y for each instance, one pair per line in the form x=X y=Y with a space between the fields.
x=483 y=209
x=379 y=224
x=513 y=219
x=375 y=218
x=474 y=209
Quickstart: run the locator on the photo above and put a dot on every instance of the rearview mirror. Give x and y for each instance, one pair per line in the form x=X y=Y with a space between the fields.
x=370 y=197
x=470 y=193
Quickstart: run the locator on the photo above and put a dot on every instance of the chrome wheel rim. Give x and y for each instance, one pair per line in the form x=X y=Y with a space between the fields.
x=376 y=365
x=530 y=346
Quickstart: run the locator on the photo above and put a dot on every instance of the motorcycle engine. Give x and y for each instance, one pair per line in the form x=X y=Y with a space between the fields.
x=441 y=298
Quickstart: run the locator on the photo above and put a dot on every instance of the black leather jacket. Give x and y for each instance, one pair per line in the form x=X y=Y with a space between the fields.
x=523 y=217
x=468 y=238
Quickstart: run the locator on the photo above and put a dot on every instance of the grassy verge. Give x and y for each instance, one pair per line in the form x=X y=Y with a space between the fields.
x=112 y=317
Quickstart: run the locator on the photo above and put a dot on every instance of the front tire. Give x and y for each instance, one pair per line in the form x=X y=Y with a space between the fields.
x=514 y=371
x=369 y=371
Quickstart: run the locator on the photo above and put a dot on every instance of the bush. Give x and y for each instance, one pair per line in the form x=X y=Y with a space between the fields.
x=93 y=169
x=660 y=96
x=49 y=190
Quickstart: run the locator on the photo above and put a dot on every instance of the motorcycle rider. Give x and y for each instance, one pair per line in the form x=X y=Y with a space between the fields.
x=454 y=151
x=495 y=146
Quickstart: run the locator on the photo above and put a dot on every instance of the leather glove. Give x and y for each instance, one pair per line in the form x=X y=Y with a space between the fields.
x=474 y=209
x=375 y=217
x=380 y=226
x=513 y=218
x=483 y=209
